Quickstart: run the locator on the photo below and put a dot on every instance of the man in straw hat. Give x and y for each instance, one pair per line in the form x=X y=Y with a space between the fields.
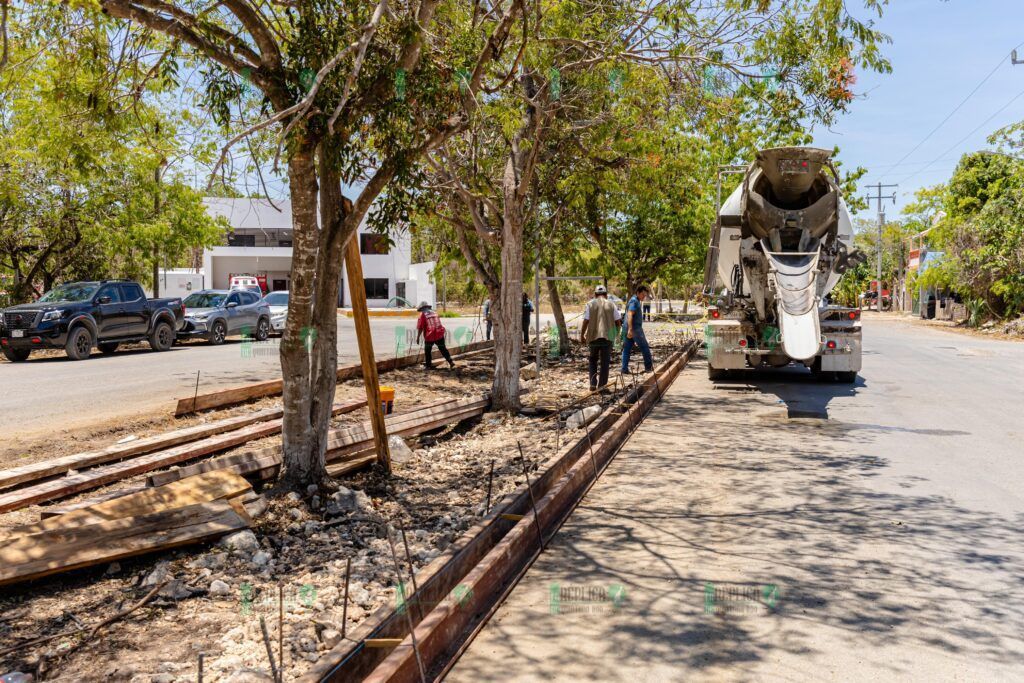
x=429 y=325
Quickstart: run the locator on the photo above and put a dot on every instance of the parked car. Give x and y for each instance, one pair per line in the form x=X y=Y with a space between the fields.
x=278 y=302
x=77 y=316
x=247 y=283
x=216 y=314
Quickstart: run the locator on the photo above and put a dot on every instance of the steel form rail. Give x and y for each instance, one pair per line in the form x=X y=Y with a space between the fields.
x=460 y=590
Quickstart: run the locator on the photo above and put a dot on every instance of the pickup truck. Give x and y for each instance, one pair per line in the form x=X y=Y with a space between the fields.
x=80 y=315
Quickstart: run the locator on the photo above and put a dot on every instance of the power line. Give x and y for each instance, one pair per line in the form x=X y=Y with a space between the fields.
x=955 y=110
x=964 y=138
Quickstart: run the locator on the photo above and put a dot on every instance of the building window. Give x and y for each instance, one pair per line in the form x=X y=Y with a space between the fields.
x=376 y=287
x=284 y=243
x=241 y=240
x=371 y=243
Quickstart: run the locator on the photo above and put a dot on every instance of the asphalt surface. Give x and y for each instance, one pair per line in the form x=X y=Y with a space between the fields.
x=783 y=529
x=53 y=393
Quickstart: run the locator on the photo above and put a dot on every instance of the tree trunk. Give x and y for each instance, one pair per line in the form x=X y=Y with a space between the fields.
x=508 y=334
x=556 y=308
x=303 y=451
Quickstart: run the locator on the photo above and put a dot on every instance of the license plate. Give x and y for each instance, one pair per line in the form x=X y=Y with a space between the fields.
x=17 y=333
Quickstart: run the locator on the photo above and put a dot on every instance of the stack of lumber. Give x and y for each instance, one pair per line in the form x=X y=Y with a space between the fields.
x=188 y=511
x=54 y=479
x=248 y=392
x=348 y=448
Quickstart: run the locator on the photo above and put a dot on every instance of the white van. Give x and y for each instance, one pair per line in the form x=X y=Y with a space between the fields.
x=246 y=282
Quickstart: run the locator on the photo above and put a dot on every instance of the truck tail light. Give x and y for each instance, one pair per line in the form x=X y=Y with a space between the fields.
x=37 y=340
x=830 y=344
x=743 y=343
x=715 y=313
x=853 y=315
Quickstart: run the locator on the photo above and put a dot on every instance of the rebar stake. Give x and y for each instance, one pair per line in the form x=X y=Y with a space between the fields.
x=490 y=483
x=195 y=396
x=344 y=607
x=280 y=630
x=199 y=675
x=533 y=501
x=412 y=572
x=408 y=616
x=270 y=650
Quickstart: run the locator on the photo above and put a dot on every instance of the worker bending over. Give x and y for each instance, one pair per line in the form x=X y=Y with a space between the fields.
x=429 y=325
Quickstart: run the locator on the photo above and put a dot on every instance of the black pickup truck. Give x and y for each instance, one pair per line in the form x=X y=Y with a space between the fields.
x=79 y=315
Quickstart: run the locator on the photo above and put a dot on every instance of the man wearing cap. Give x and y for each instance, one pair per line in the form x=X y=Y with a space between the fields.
x=429 y=325
x=600 y=320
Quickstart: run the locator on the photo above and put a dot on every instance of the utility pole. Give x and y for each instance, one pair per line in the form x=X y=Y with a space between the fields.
x=878 y=197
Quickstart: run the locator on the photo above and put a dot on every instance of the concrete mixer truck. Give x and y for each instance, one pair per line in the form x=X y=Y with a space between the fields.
x=779 y=245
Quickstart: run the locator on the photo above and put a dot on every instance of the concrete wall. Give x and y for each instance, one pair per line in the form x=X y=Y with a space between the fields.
x=421 y=286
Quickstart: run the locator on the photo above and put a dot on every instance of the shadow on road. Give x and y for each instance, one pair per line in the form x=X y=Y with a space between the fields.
x=710 y=494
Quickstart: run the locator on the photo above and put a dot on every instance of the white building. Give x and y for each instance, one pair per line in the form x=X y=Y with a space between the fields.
x=260 y=244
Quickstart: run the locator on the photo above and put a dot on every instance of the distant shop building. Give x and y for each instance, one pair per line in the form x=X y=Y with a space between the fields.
x=260 y=244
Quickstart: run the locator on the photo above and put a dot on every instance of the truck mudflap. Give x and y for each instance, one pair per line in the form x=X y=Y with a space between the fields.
x=841 y=351
x=721 y=338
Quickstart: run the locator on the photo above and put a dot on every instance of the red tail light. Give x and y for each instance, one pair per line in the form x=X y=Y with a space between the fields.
x=743 y=343
x=853 y=315
x=715 y=313
x=830 y=344
x=37 y=340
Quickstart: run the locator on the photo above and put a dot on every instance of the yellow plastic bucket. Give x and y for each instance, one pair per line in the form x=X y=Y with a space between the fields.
x=387 y=399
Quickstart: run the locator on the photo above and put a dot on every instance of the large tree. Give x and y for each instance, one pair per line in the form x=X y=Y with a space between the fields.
x=357 y=92
x=82 y=137
x=791 y=61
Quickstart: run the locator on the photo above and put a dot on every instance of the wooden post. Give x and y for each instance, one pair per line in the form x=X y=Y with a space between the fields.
x=361 y=316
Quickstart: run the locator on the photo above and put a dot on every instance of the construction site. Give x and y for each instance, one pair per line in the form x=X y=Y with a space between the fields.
x=511 y=341
x=224 y=561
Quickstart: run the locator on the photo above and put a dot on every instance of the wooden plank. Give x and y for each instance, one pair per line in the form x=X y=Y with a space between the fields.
x=247 y=392
x=48 y=468
x=201 y=488
x=342 y=442
x=348 y=466
x=244 y=463
x=38 y=555
x=364 y=338
x=99 y=476
x=57 y=510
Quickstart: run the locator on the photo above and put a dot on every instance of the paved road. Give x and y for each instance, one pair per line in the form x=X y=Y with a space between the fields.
x=885 y=542
x=55 y=393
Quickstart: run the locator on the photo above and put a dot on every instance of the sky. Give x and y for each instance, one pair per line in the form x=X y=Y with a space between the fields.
x=941 y=50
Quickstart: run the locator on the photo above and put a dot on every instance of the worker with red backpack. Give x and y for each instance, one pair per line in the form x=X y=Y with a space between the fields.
x=429 y=325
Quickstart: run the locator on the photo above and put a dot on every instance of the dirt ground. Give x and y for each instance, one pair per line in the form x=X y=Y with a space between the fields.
x=294 y=558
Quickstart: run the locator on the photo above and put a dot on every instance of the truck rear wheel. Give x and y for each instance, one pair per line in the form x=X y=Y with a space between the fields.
x=17 y=355
x=162 y=337
x=79 y=344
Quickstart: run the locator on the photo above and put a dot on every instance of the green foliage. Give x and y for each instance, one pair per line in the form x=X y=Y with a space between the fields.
x=81 y=137
x=982 y=232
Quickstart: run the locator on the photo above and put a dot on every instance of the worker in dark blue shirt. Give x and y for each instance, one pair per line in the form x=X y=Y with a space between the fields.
x=635 y=331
